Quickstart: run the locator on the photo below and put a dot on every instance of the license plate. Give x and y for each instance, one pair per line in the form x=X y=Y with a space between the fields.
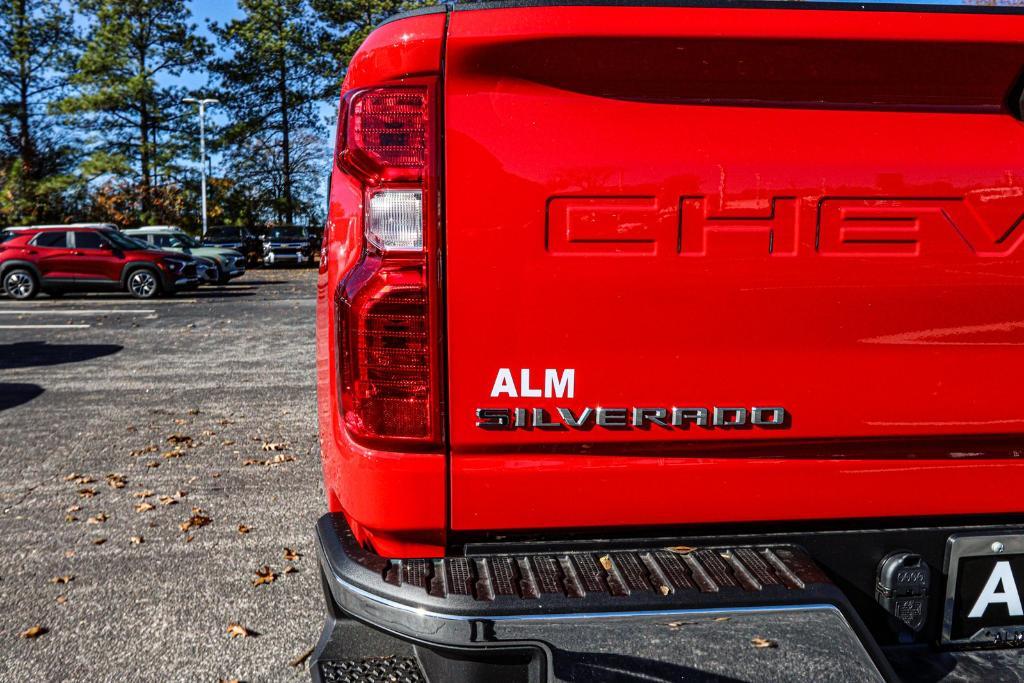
x=984 y=589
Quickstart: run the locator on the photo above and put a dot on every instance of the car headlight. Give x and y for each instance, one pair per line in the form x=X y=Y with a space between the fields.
x=175 y=264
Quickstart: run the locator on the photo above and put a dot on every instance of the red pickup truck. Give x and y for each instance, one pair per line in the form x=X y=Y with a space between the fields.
x=671 y=342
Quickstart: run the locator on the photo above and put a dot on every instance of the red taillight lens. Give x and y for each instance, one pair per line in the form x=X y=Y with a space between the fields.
x=386 y=133
x=388 y=310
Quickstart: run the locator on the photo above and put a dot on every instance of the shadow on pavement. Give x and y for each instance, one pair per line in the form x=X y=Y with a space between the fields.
x=12 y=395
x=38 y=353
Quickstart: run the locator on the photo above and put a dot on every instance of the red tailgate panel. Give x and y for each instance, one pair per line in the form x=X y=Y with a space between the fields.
x=818 y=210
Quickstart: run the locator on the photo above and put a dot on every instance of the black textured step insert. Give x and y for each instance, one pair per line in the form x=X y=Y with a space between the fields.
x=372 y=670
x=586 y=577
x=621 y=573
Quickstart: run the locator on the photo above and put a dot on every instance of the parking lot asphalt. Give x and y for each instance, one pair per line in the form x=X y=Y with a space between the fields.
x=154 y=457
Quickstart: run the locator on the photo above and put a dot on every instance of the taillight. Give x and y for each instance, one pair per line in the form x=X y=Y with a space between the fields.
x=388 y=308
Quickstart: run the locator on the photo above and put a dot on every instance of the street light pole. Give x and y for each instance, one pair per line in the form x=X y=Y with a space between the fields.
x=202 y=145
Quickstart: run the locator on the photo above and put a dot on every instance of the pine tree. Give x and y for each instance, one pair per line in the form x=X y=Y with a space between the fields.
x=138 y=125
x=348 y=22
x=36 y=45
x=272 y=85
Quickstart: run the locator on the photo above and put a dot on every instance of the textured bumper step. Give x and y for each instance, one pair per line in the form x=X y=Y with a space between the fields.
x=586 y=613
x=372 y=670
x=588 y=578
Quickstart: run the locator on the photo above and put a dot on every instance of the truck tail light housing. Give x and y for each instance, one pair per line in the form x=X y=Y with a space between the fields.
x=388 y=307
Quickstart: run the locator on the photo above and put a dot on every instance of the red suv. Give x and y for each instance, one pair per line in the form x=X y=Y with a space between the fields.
x=72 y=258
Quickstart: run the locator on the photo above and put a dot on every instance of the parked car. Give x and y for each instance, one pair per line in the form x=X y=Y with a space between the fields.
x=240 y=239
x=288 y=245
x=228 y=263
x=58 y=259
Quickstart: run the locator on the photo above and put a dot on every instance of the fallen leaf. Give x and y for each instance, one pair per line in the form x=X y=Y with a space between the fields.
x=142 y=494
x=239 y=631
x=291 y=555
x=227 y=442
x=167 y=500
x=606 y=562
x=71 y=477
x=209 y=432
x=116 y=481
x=153 y=463
x=168 y=455
x=180 y=421
x=681 y=549
x=273 y=446
x=144 y=507
x=70 y=518
x=665 y=590
x=61 y=599
x=86 y=493
x=193 y=411
x=180 y=494
x=151 y=448
x=722 y=618
x=97 y=519
x=137 y=540
x=290 y=570
x=759 y=642
x=243 y=529
x=264 y=575
x=69 y=553
x=99 y=541
x=74 y=508
x=67 y=578
x=181 y=440
x=197 y=520
x=34 y=631
x=225 y=422
x=85 y=480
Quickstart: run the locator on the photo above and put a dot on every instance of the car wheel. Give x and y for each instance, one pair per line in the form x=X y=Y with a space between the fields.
x=143 y=284
x=20 y=283
x=222 y=278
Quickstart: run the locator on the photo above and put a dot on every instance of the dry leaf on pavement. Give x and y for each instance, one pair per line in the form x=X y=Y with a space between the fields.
x=264 y=575
x=198 y=519
x=86 y=493
x=144 y=507
x=239 y=631
x=759 y=642
x=116 y=481
x=97 y=519
x=142 y=494
x=243 y=529
x=67 y=578
x=291 y=555
x=33 y=631
x=167 y=500
x=273 y=446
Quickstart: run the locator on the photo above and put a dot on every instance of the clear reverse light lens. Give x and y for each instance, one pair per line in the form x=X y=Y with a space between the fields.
x=394 y=220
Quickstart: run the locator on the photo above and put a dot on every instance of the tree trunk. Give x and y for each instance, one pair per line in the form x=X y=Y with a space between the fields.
x=286 y=151
x=26 y=145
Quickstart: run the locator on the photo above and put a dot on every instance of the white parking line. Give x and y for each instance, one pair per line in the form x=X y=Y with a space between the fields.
x=72 y=311
x=43 y=327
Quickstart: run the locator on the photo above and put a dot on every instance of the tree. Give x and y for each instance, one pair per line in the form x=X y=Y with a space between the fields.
x=36 y=45
x=273 y=86
x=133 y=48
x=347 y=23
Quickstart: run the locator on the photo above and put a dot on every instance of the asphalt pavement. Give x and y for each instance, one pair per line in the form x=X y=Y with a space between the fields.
x=156 y=460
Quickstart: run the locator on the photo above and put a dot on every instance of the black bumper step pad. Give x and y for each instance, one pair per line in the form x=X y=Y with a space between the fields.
x=591 y=578
x=372 y=670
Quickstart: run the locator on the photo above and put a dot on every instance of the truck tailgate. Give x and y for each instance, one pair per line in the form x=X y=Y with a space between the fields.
x=817 y=211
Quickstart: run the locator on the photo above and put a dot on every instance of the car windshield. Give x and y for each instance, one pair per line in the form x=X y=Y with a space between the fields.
x=7 y=235
x=123 y=241
x=224 y=234
x=180 y=239
x=286 y=234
